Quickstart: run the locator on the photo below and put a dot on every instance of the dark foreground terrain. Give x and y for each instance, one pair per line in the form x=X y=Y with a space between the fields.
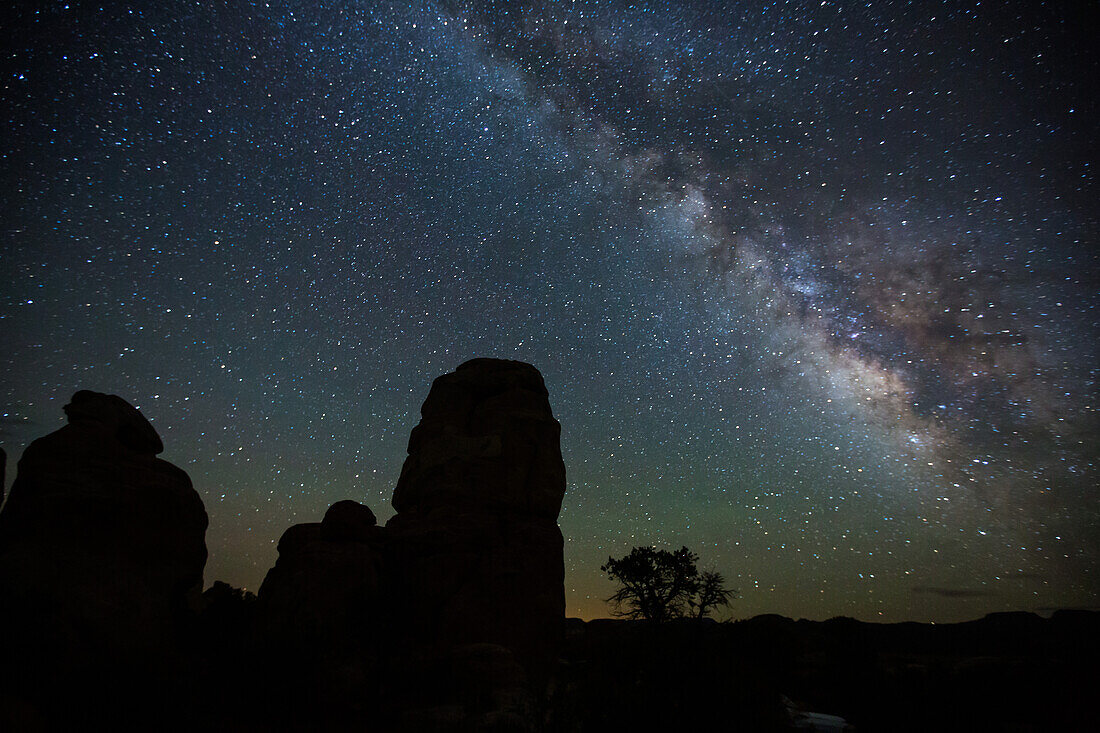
x=1005 y=672
x=450 y=617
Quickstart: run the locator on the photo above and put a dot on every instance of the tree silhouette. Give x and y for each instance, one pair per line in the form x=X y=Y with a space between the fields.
x=658 y=585
x=710 y=594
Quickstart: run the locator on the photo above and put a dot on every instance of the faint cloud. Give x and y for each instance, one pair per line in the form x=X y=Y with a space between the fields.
x=1052 y=609
x=952 y=592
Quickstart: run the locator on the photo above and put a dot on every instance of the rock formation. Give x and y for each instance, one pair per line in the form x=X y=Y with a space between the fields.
x=475 y=548
x=100 y=541
x=102 y=545
x=463 y=590
x=449 y=618
x=321 y=619
x=323 y=593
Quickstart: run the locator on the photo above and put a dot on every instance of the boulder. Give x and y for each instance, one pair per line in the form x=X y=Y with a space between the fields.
x=349 y=520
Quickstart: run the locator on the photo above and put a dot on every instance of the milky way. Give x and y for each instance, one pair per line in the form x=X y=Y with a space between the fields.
x=814 y=287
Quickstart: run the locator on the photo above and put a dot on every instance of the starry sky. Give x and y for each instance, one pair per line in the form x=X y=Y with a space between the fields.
x=813 y=285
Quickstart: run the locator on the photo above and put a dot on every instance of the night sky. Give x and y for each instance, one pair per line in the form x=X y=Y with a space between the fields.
x=813 y=285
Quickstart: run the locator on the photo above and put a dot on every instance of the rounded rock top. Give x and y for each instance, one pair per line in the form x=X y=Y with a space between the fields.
x=124 y=421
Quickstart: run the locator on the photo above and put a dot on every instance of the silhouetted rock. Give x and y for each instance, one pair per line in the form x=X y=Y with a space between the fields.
x=474 y=553
x=101 y=544
x=487 y=442
x=221 y=596
x=320 y=618
x=475 y=547
x=450 y=618
x=463 y=588
x=99 y=529
x=323 y=591
x=116 y=417
x=349 y=520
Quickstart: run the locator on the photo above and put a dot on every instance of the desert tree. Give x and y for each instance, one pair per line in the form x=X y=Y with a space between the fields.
x=658 y=585
x=710 y=594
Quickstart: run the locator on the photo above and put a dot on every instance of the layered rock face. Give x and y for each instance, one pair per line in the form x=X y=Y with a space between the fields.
x=100 y=541
x=488 y=443
x=475 y=548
